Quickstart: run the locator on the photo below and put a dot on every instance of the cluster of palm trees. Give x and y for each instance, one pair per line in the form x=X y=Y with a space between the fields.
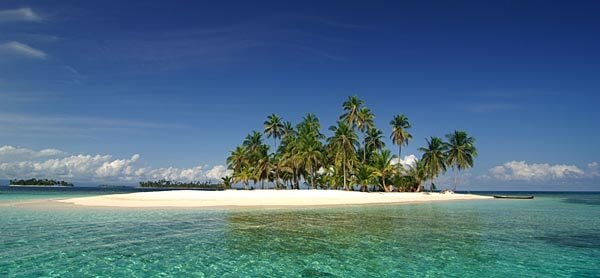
x=353 y=157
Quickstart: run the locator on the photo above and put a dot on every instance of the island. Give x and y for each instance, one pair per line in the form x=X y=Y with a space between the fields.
x=304 y=167
x=39 y=182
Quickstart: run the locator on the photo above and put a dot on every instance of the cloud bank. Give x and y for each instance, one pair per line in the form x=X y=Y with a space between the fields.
x=407 y=162
x=17 y=162
x=523 y=171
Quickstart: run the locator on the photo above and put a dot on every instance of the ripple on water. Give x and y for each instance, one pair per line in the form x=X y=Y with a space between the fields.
x=570 y=239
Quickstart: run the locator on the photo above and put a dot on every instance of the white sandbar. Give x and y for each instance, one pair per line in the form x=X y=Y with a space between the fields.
x=261 y=198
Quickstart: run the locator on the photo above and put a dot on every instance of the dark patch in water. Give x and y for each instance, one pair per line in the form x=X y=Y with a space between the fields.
x=586 y=240
x=585 y=201
x=311 y=272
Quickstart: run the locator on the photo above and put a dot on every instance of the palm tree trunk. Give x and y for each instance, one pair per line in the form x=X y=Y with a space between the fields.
x=455 y=178
x=296 y=182
x=399 y=157
x=344 y=169
x=277 y=167
x=364 y=148
x=312 y=177
x=383 y=182
x=277 y=177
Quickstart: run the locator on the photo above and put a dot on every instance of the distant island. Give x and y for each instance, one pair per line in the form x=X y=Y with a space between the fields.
x=183 y=185
x=113 y=186
x=39 y=182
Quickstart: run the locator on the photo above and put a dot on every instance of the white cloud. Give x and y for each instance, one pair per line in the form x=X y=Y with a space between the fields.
x=218 y=172
x=21 y=49
x=407 y=162
x=520 y=170
x=119 y=167
x=49 y=152
x=11 y=153
x=22 y=14
x=16 y=162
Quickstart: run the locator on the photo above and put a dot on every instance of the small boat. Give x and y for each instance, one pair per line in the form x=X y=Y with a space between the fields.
x=512 y=197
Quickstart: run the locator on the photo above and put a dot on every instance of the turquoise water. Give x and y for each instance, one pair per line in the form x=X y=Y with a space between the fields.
x=554 y=235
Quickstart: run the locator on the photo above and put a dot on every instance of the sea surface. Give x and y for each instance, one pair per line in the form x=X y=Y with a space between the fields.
x=553 y=235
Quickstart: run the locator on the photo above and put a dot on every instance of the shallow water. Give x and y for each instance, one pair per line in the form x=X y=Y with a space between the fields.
x=553 y=235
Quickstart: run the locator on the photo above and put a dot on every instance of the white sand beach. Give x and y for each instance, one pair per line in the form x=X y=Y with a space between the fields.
x=261 y=198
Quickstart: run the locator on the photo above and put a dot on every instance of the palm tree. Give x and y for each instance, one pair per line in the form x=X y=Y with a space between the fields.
x=400 y=135
x=310 y=124
x=227 y=181
x=238 y=159
x=364 y=175
x=274 y=128
x=461 y=152
x=434 y=157
x=277 y=165
x=289 y=159
x=351 y=109
x=364 y=122
x=342 y=145
x=243 y=176
x=263 y=169
x=287 y=129
x=382 y=166
x=311 y=154
x=253 y=141
x=417 y=173
x=308 y=150
x=374 y=140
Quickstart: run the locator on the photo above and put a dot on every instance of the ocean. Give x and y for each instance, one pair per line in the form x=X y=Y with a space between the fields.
x=554 y=235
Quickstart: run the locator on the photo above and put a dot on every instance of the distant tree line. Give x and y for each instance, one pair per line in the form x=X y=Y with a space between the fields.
x=163 y=183
x=46 y=182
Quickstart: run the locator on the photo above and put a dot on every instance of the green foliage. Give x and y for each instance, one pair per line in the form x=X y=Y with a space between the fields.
x=351 y=110
x=405 y=183
x=461 y=152
x=382 y=167
x=400 y=135
x=227 y=181
x=434 y=158
x=343 y=147
x=364 y=176
x=41 y=182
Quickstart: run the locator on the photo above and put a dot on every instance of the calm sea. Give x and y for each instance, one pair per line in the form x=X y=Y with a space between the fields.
x=553 y=235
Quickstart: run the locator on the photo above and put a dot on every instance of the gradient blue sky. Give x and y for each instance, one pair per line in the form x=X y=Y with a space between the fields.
x=182 y=83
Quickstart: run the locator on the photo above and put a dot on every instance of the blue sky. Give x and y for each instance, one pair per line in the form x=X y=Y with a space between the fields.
x=182 y=83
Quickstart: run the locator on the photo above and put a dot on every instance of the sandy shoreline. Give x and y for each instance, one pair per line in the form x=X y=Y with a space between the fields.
x=260 y=198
